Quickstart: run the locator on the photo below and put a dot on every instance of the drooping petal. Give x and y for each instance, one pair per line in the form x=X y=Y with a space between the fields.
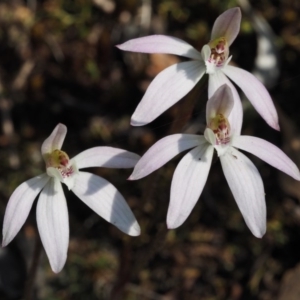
x=163 y=151
x=268 y=153
x=53 y=223
x=167 y=88
x=227 y=25
x=107 y=157
x=161 y=44
x=247 y=189
x=103 y=198
x=19 y=206
x=220 y=103
x=187 y=184
x=255 y=92
x=55 y=140
x=236 y=116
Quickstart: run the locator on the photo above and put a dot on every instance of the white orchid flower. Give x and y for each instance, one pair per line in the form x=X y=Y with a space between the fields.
x=223 y=134
x=51 y=212
x=173 y=83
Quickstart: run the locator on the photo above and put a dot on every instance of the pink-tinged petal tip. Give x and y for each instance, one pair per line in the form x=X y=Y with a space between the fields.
x=220 y=103
x=55 y=140
x=247 y=188
x=268 y=153
x=227 y=25
x=256 y=92
x=161 y=44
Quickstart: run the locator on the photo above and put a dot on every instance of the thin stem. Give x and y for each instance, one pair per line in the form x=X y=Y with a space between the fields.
x=181 y=113
x=33 y=269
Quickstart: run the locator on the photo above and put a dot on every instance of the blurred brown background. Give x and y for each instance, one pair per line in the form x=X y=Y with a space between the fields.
x=58 y=63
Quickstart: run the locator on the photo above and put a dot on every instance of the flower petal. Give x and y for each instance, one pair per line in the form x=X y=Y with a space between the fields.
x=247 y=189
x=55 y=140
x=210 y=136
x=227 y=25
x=19 y=206
x=161 y=44
x=163 y=151
x=268 y=153
x=167 y=88
x=188 y=181
x=255 y=92
x=220 y=103
x=103 y=198
x=68 y=180
x=107 y=157
x=236 y=116
x=53 y=223
x=205 y=53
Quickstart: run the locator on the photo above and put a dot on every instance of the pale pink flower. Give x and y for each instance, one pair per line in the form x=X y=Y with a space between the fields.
x=223 y=134
x=51 y=212
x=176 y=81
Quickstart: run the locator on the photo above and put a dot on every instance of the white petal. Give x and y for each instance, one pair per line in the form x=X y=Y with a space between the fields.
x=220 y=103
x=167 y=88
x=210 y=66
x=247 y=189
x=53 y=223
x=108 y=157
x=227 y=25
x=268 y=153
x=103 y=198
x=19 y=206
x=55 y=140
x=188 y=181
x=69 y=180
x=255 y=92
x=236 y=116
x=163 y=151
x=161 y=44
x=210 y=136
x=205 y=53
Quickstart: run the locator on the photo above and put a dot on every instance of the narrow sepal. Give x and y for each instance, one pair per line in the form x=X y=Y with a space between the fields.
x=227 y=25
x=221 y=102
x=236 y=116
x=256 y=92
x=107 y=157
x=163 y=151
x=53 y=223
x=247 y=188
x=55 y=140
x=268 y=153
x=104 y=199
x=187 y=184
x=19 y=205
x=167 y=88
x=161 y=44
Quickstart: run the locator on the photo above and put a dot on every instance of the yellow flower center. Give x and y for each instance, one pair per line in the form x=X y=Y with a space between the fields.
x=59 y=160
x=219 y=51
x=221 y=128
